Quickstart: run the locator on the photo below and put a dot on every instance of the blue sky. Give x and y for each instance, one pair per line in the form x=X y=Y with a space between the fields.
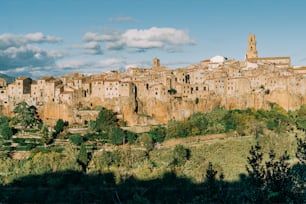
x=42 y=37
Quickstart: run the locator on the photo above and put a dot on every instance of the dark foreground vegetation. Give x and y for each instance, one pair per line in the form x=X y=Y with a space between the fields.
x=273 y=181
x=261 y=161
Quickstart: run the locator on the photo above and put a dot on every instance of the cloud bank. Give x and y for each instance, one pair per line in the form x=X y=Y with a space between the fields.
x=167 y=39
x=18 y=52
x=8 y=40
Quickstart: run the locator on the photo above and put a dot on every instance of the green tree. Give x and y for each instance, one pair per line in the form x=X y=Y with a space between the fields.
x=6 y=131
x=105 y=121
x=198 y=123
x=45 y=135
x=299 y=170
x=301 y=149
x=83 y=158
x=278 y=118
x=215 y=188
x=131 y=137
x=197 y=100
x=301 y=117
x=256 y=172
x=271 y=181
x=158 y=133
x=59 y=126
x=76 y=139
x=23 y=115
x=117 y=136
x=4 y=119
x=180 y=155
x=215 y=123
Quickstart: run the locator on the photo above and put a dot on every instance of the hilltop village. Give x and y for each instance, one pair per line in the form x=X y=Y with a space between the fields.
x=155 y=95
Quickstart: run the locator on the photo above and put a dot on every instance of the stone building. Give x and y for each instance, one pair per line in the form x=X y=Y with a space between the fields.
x=153 y=95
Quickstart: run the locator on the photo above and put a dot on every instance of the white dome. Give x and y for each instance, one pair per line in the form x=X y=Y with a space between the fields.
x=217 y=59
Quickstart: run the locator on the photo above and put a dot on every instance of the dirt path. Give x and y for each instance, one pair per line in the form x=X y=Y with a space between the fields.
x=196 y=140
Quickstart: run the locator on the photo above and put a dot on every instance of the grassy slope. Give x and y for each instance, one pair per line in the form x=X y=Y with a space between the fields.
x=228 y=156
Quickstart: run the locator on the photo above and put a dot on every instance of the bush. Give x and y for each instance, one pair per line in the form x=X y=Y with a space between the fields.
x=146 y=141
x=180 y=155
x=20 y=141
x=24 y=148
x=96 y=136
x=131 y=137
x=105 y=121
x=6 y=131
x=158 y=134
x=48 y=149
x=117 y=136
x=59 y=126
x=6 y=148
x=7 y=144
x=172 y=91
x=31 y=130
x=76 y=139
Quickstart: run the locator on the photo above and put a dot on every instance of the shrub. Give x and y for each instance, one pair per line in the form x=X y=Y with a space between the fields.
x=76 y=139
x=7 y=144
x=180 y=155
x=59 y=126
x=158 y=134
x=117 y=136
x=6 y=131
x=172 y=91
x=146 y=141
x=131 y=137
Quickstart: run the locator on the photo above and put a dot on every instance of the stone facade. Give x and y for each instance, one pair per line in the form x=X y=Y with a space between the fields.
x=156 y=94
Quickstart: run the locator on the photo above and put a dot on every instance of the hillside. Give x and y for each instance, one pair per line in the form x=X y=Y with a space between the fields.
x=221 y=156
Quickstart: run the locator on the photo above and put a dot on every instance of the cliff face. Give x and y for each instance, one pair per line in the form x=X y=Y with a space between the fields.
x=153 y=111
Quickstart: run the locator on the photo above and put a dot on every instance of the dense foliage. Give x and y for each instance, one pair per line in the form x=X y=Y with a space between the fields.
x=108 y=164
x=105 y=121
x=242 y=122
x=23 y=115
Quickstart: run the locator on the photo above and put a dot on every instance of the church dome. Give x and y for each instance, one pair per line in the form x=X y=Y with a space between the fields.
x=217 y=59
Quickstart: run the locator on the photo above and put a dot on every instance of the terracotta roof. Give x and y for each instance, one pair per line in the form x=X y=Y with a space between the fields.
x=22 y=78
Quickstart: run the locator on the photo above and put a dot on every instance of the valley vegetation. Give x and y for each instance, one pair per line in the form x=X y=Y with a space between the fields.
x=223 y=156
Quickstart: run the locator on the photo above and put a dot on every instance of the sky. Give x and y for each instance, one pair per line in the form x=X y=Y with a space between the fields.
x=56 y=37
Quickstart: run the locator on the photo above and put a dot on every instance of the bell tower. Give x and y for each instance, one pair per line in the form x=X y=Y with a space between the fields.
x=156 y=62
x=252 y=51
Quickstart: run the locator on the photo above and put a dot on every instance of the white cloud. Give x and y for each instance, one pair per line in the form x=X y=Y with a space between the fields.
x=168 y=39
x=93 y=65
x=156 y=37
x=20 y=54
x=12 y=40
x=93 y=48
x=89 y=36
x=26 y=56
